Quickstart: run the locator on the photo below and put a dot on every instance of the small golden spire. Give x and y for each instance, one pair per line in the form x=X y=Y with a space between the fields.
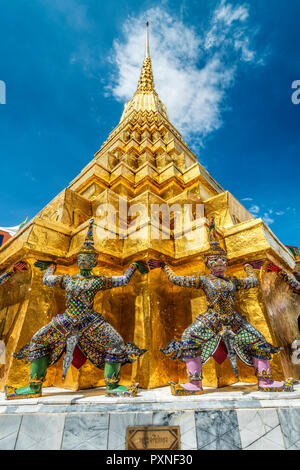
x=147 y=40
x=145 y=98
x=146 y=82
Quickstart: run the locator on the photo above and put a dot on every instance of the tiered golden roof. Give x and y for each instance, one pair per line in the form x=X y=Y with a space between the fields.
x=144 y=161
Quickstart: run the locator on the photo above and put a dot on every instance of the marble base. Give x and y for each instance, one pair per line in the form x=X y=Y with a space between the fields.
x=236 y=417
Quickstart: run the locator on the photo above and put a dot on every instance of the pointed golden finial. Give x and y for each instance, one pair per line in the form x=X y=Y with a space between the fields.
x=147 y=40
x=146 y=82
x=145 y=98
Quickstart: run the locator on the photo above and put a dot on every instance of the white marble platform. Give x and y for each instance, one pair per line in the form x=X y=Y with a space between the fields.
x=239 y=395
x=235 y=417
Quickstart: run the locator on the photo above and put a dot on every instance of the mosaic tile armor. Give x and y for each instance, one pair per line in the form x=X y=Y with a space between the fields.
x=290 y=280
x=202 y=337
x=5 y=277
x=95 y=337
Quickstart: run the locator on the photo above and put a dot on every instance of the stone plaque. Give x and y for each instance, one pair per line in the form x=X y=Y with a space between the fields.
x=152 y=437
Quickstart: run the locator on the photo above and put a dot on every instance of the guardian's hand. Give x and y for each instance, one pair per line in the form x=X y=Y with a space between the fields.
x=142 y=266
x=155 y=263
x=43 y=265
x=256 y=264
x=273 y=268
x=20 y=266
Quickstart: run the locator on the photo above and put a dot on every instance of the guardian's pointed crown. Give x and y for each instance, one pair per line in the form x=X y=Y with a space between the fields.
x=215 y=247
x=88 y=245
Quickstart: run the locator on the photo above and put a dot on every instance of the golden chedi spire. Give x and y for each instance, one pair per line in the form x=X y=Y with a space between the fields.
x=146 y=81
x=147 y=40
x=145 y=98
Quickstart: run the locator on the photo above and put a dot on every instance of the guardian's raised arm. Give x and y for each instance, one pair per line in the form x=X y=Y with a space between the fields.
x=292 y=282
x=182 y=281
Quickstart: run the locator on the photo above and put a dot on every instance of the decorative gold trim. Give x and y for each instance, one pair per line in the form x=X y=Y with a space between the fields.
x=11 y=395
x=130 y=392
x=111 y=380
x=286 y=387
x=178 y=390
x=195 y=378
x=263 y=374
x=35 y=380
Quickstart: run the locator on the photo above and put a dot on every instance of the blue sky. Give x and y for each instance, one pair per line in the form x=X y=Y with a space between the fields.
x=223 y=68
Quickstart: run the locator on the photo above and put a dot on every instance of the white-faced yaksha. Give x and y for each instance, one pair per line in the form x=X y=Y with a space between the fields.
x=201 y=339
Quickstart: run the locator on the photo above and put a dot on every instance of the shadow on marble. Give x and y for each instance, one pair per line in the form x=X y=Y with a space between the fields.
x=9 y=428
x=217 y=430
x=260 y=429
x=41 y=432
x=85 y=432
x=184 y=419
x=290 y=424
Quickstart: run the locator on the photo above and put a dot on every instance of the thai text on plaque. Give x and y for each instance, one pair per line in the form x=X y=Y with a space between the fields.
x=152 y=437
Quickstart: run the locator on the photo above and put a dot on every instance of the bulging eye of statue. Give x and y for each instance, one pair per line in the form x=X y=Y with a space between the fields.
x=220 y=258
x=87 y=260
x=94 y=260
x=215 y=259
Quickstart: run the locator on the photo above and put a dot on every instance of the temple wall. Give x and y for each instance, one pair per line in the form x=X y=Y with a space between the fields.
x=14 y=299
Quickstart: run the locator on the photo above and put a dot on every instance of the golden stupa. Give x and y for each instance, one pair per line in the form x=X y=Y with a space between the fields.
x=143 y=163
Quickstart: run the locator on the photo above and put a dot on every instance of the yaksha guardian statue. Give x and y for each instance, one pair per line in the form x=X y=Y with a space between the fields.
x=80 y=332
x=201 y=339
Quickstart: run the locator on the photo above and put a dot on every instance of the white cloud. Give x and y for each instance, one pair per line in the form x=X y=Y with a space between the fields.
x=269 y=214
x=193 y=71
x=226 y=13
x=254 y=209
x=267 y=219
x=30 y=176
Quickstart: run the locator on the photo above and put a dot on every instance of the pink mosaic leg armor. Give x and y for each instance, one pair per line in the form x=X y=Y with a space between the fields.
x=194 y=368
x=265 y=381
